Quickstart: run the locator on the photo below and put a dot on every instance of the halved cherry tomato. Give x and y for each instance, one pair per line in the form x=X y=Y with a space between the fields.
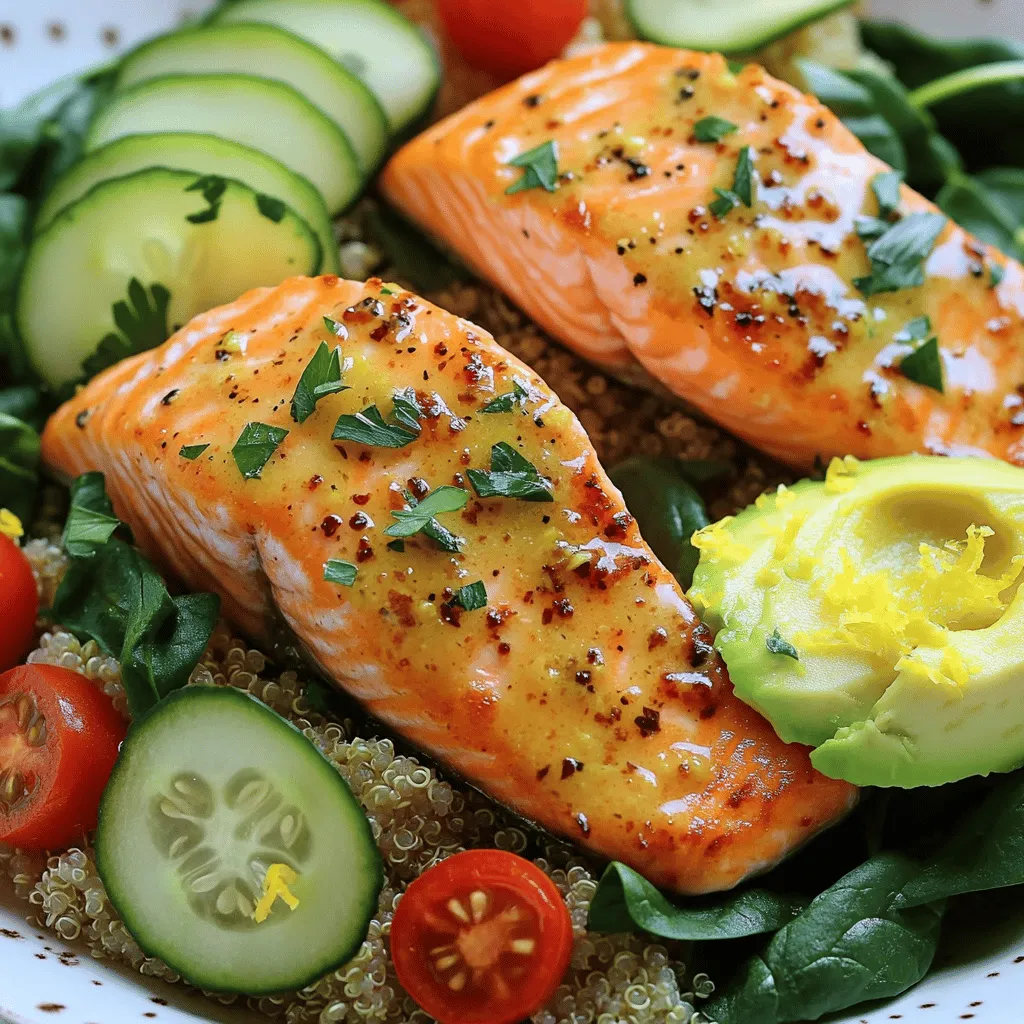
x=19 y=604
x=510 y=38
x=482 y=938
x=59 y=737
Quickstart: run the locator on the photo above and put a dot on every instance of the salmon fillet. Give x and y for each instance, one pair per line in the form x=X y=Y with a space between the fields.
x=752 y=316
x=584 y=694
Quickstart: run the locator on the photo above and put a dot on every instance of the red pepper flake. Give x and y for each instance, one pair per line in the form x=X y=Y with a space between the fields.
x=542 y=774
x=564 y=608
x=315 y=481
x=365 y=551
x=570 y=766
x=583 y=677
x=616 y=529
x=330 y=524
x=581 y=820
x=594 y=656
x=649 y=722
x=658 y=638
x=504 y=648
x=451 y=613
x=360 y=521
x=639 y=279
x=418 y=487
x=363 y=312
x=360 y=499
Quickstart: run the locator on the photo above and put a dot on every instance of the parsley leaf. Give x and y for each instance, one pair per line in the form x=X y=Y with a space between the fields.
x=338 y=329
x=321 y=377
x=91 y=521
x=472 y=596
x=886 y=186
x=271 y=208
x=712 y=129
x=726 y=202
x=924 y=365
x=192 y=451
x=511 y=476
x=420 y=517
x=212 y=186
x=254 y=447
x=368 y=427
x=396 y=545
x=338 y=571
x=742 y=190
x=897 y=255
x=996 y=274
x=509 y=400
x=776 y=645
x=142 y=322
x=541 y=169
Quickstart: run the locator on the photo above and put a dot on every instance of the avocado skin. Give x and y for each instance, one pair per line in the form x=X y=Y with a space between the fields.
x=871 y=722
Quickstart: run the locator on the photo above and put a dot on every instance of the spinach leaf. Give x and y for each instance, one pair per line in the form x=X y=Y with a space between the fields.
x=849 y=945
x=22 y=403
x=141 y=319
x=897 y=256
x=625 y=901
x=1005 y=186
x=91 y=521
x=19 y=463
x=321 y=377
x=975 y=123
x=511 y=476
x=255 y=447
x=116 y=598
x=667 y=509
x=540 y=166
x=986 y=214
x=412 y=256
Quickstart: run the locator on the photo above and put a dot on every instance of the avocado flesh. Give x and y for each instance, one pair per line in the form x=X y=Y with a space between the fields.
x=897 y=583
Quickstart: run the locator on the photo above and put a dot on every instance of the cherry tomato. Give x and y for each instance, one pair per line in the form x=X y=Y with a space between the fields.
x=510 y=38
x=19 y=604
x=482 y=938
x=59 y=737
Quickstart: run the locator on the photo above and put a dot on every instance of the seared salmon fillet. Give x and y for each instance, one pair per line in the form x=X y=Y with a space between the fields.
x=578 y=687
x=732 y=270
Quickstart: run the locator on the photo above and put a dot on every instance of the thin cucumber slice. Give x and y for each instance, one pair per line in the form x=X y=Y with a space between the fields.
x=388 y=52
x=210 y=789
x=201 y=154
x=277 y=54
x=202 y=240
x=725 y=26
x=257 y=112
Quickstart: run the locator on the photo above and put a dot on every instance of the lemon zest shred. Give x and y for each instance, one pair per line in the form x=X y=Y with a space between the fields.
x=10 y=524
x=718 y=544
x=275 y=886
x=839 y=477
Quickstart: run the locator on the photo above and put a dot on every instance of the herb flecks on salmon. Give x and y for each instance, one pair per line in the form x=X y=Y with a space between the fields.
x=776 y=316
x=524 y=643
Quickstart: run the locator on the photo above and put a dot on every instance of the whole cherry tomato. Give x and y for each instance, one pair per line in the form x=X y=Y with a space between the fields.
x=19 y=604
x=59 y=738
x=482 y=938
x=511 y=38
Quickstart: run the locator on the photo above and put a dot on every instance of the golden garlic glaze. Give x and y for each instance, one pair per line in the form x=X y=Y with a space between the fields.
x=754 y=318
x=585 y=695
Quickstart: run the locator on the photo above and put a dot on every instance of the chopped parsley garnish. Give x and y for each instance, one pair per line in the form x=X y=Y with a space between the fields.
x=192 y=451
x=396 y=545
x=271 y=208
x=712 y=129
x=996 y=274
x=369 y=427
x=254 y=447
x=886 y=186
x=212 y=186
x=141 y=321
x=91 y=521
x=420 y=517
x=472 y=596
x=742 y=190
x=897 y=255
x=339 y=330
x=511 y=476
x=321 y=377
x=338 y=571
x=924 y=364
x=386 y=291
x=776 y=645
x=540 y=166
x=509 y=400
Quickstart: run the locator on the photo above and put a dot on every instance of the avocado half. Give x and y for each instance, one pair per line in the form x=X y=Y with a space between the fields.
x=877 y=616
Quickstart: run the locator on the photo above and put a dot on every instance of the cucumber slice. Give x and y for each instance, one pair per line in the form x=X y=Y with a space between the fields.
x=390 y=54
x=209 y=790
x=201 y=154
x=726 y=26
x=138 y=227
x=267 y=115
x=277 y=54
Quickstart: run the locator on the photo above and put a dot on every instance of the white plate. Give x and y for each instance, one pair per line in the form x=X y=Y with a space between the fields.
x=980 y=975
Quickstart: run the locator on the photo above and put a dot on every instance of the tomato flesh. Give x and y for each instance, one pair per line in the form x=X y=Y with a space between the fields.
x=59 y=738
x=482 y=938
x=511 y=38
x=19 y=604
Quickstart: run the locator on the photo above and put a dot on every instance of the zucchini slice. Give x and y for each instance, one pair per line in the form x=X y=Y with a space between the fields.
x=136 y=257
x=390 y=54
x=201 y=154
x=277 y=54
x=725 y=26
x=210 y=790
x=257 y=112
